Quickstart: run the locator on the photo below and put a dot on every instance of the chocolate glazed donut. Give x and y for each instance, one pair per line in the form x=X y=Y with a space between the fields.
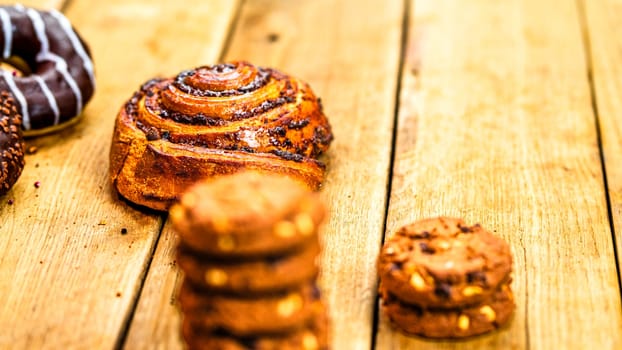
x=216 y=120
x=11 y=143
x=62 y=80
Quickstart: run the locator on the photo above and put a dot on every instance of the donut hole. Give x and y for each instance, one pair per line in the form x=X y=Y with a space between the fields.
x=16 y=65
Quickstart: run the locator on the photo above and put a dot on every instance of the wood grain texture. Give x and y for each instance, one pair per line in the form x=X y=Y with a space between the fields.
x=68 y=276
x=156 y=321
x=496 y=126
x=604 y=37
x=353 y=68
x=348 y=51
x=38 y=4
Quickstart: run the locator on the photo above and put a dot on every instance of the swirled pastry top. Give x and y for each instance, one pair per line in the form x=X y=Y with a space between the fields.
x=233 y=107
x=62 y=79
x=215 y=120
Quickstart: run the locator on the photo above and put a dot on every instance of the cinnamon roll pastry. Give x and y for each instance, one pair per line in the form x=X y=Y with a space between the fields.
x=216 y=120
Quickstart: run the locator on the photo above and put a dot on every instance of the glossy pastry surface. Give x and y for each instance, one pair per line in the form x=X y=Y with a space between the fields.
x=216 y=120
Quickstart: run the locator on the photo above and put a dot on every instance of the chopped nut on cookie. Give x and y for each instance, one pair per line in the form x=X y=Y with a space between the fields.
x=441 y=278
x=469 y=263
x=248 y=246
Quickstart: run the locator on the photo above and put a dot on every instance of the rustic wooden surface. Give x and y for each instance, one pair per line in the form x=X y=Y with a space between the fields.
x=508 y=114
x=359 y=98
x=496 y=126
x=604 y=39
x=68 y=277
x=348 y=91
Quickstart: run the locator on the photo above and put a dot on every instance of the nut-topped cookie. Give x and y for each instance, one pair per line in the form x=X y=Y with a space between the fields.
x=451 y=323
x=444 y=263
x=244 y=276
x=312 y=336
x=249 y=245
x=250 y=315
x=278 y=214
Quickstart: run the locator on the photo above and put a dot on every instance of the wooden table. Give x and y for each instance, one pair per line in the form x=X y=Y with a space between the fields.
x=507 y=113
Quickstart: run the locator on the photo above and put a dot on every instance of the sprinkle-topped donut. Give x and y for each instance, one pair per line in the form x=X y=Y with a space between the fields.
x=62 y=79
x=11 y=143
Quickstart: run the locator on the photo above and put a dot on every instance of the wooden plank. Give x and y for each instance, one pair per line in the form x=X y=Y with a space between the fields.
x=156 y=321
x=353 y=67
x=68 y=276
x=155 y=324
x=604 y=36
x=351 y=62
x=496 y=126
x=38 y=4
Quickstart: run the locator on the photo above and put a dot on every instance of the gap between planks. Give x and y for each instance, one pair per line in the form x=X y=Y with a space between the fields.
x=362 y=96
x=403 y=44
x=126 y=327
x=78 y=268
x=589 y=53
x=165 y=331
x=569 y=100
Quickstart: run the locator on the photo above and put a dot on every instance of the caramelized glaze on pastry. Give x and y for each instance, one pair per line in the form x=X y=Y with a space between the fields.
x=215 y=120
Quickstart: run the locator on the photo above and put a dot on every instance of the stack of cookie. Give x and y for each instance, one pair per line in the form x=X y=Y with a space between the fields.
x=248 y=247
x=441 y=278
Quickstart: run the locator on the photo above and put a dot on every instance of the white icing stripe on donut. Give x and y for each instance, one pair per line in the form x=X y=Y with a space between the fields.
x=51 y=100
x=7 y=30
x=61 y=67
x=45 y=55
x=39 y=26
x=8 y=77
x=75 y=42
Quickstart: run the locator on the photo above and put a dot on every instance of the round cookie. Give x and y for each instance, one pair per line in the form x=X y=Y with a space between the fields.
x=250 y=315
x=11 y=143
x=278 y=215
x=254 y=276
x=444 y=263
x=312 y=336
x=451 y=323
